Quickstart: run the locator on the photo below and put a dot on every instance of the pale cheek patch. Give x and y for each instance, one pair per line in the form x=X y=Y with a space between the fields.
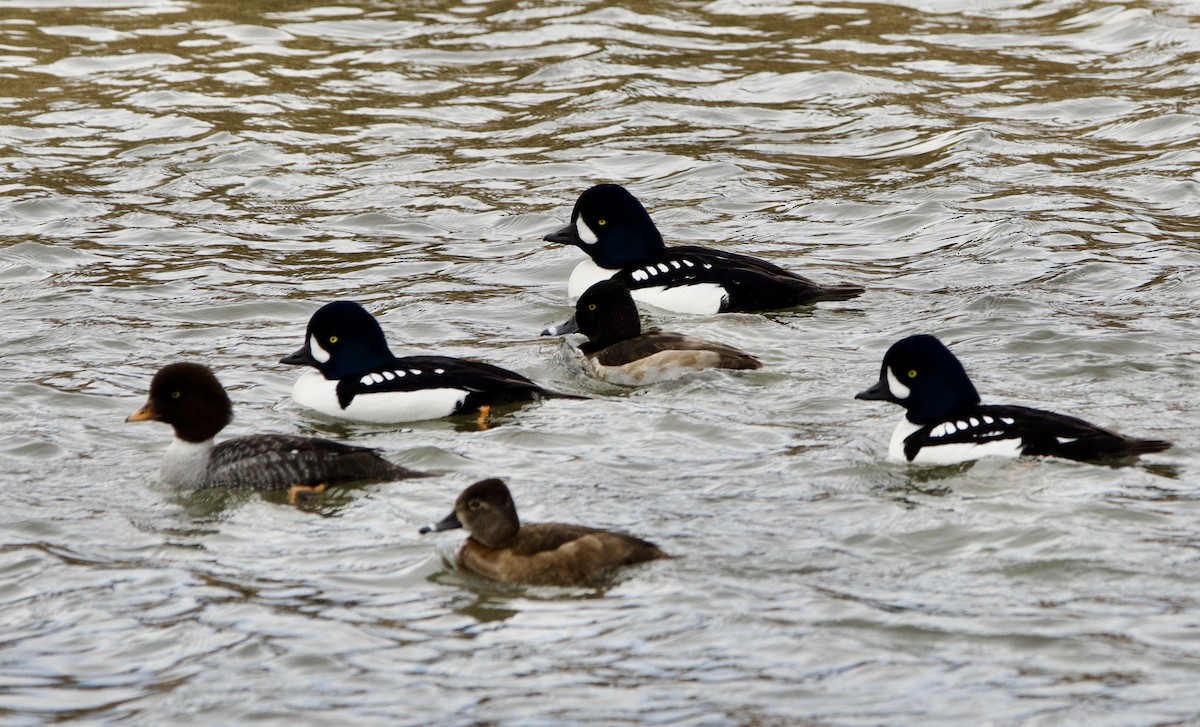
x=585 y=232
x=320 y=354
x=899 y=390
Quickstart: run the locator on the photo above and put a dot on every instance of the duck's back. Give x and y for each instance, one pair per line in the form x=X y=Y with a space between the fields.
x=280 y=461
x=556 y=554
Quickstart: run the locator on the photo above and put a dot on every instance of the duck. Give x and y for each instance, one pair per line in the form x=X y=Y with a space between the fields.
x=945 y=423
x=614 y=229
x=358 y=378
x=190 y=398
x=501 y=549
x=619 y=351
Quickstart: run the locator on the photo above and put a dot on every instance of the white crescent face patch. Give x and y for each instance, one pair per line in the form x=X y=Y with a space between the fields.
x=586 y=233
x=320 y=354
x=899 y=390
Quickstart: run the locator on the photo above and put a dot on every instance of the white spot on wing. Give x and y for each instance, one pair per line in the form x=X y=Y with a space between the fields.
x=675 y=264
x=377 y=378
x=388 y=375
x=663 y=267
x=689 y=263
x=1066 y=440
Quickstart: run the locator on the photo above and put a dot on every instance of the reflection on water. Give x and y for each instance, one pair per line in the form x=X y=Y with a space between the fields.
x=191 y=180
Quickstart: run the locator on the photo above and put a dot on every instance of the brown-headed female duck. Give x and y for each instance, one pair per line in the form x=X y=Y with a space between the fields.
x=543 y=554
x=191 y=399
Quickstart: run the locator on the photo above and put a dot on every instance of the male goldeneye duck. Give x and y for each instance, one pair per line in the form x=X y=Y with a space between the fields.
x=613 y=228
x=544 y=554
x=946 y=424
x=359 y=378
x=618 y=350
x=189 y=398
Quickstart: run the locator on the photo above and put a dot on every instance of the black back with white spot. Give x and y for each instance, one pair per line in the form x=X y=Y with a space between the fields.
x=481 y=383
x=1041 y=433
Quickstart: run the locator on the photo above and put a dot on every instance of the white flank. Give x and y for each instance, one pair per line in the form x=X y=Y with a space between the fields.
x=701 y=299
x=949 y=453
x=185 y=463
x=899 y=390
x=585 y=275
x=314 y=391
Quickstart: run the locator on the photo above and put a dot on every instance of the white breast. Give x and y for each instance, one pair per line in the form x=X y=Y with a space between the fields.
x=314 y=391
x=185 y=464
x=585 y=275
x=949 y=453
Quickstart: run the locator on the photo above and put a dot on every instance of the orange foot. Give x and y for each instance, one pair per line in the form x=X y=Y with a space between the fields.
x=484 y=412
x=301 y=492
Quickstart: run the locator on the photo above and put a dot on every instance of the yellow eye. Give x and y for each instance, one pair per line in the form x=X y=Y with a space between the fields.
x=591 y=306
x=175 y=394
x=912 y=373
x=333 y=339
x=602 y=223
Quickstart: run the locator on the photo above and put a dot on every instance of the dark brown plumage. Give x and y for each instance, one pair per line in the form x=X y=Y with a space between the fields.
x=545 y=554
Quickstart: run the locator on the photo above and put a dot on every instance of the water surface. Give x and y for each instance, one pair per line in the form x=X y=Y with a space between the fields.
x=191 y=180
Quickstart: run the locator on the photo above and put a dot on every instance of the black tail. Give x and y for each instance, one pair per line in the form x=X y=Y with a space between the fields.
x=845 y=291
x=1135 y=447
x=547 y=394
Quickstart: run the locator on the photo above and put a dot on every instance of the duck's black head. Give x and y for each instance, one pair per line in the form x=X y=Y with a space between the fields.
x=920 y=374
x=612 y=227
x=606 y=314
x=189 y=398
x=343 y=340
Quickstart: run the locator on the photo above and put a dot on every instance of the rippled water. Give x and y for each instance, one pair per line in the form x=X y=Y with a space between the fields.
x=190 y=180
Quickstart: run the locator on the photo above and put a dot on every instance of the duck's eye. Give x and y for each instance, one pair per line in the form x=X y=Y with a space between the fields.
x=591 y=306
x=474 y=505
x=176 y=394
x=333 y=339
x=602 y=223
x=912 y=373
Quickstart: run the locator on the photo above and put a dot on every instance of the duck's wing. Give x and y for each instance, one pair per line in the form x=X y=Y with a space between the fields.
x=1038 y=432
x=414 y=373
x=750 y=283
x=654 y=342
x=280 y=461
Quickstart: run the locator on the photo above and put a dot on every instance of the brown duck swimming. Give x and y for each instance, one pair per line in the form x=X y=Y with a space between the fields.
x=543 y=554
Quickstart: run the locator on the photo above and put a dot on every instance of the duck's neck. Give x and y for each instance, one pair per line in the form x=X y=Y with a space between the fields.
x=186 y=463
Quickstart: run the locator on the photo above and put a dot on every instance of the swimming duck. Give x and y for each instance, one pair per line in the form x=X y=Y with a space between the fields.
x=359 y=378
x=189 y=397
x=546 y=554
x=614 y=229
x=618 y=350
x=945 y=423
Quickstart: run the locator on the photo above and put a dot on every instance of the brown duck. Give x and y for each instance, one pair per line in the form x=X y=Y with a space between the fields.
x=543 y=554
